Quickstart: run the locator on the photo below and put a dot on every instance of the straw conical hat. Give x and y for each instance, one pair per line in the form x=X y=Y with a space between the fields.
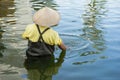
x=46 y=17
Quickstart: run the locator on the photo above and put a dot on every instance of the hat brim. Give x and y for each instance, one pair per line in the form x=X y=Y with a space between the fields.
x=46 y=17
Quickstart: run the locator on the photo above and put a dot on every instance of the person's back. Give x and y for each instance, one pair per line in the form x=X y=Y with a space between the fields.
x=37 y=33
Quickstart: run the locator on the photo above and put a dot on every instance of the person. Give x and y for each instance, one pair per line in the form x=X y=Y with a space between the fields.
x=41 y=37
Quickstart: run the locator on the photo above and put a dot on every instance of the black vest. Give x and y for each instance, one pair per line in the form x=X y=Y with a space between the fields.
x=39 y=48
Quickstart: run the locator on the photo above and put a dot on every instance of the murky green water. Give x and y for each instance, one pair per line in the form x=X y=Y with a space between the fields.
x=90 y=29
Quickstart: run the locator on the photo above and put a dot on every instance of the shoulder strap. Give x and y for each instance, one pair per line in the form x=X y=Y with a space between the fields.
x=41 y=32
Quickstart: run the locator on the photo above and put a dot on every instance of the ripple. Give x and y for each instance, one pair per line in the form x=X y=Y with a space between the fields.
x=75 y=44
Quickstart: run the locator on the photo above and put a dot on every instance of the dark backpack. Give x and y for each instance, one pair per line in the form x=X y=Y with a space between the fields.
x=39 y=48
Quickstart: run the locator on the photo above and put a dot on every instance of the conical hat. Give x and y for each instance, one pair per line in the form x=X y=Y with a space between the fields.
x=46 y=17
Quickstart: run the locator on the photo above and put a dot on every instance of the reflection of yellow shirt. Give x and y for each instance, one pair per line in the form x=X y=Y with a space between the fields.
x=50 y=36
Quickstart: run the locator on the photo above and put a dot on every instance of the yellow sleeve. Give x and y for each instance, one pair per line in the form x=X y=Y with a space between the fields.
x=57 y=40
x=26 y=33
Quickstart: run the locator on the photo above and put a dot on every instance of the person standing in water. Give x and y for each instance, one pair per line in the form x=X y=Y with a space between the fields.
x=41 y=37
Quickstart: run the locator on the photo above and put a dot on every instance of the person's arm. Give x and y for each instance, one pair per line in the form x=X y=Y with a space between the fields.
x=58 y=41
x=62 y=46
x=26 y=34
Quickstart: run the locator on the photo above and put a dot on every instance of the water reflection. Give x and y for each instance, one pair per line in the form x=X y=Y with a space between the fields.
x=2 y=47
x=6 y=7
x=37 y=4
x=43 y=68
x=92 y=30
x=88 y=61
x=92 y=26
x=6 y=11
x=84 y=62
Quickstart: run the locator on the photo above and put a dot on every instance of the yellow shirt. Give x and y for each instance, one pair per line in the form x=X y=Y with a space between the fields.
x=50 y=36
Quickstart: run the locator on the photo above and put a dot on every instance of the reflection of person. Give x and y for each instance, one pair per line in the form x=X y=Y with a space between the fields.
x=43 y=19
x=44 y=67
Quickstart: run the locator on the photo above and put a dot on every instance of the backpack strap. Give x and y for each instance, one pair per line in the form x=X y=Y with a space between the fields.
x=41 y=33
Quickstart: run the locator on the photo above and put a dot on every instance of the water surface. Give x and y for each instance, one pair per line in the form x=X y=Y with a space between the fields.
x=90 y=29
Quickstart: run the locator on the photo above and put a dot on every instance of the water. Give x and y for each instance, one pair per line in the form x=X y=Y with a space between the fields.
x=90 y=29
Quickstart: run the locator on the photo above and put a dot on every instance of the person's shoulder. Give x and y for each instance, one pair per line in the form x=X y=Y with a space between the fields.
x=30 y=26
x=53 y=32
